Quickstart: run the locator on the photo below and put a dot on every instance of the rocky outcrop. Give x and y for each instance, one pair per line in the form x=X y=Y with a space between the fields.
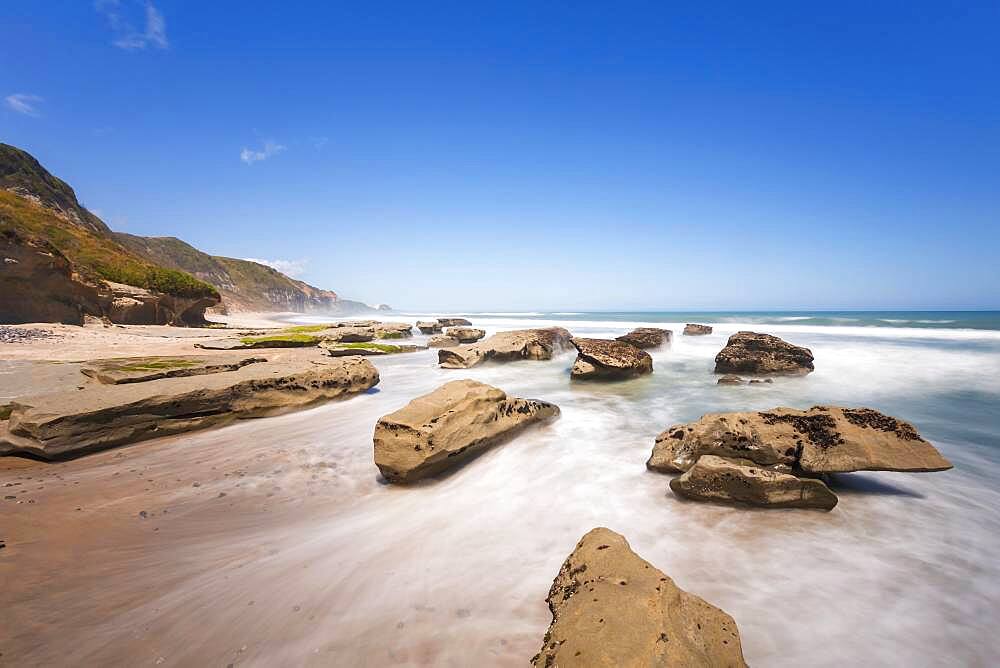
x=750 y=352
x=610 y=608
x=129 y=305
x=366 y=349
x=823 y=439
x=123 y=370
x=692 y=329
x=646 y=337
x=429 y=326
x=393 y=330
x=465 y=334
x=532 y=344
x=730 y=379
x=441 y=341
x=75 y=421
x=348 y=334
x=454 y=422
x=453 y=322
x=606 y=359
x=724 y=480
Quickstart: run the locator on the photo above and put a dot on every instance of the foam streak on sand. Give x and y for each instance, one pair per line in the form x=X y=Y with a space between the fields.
x=309 y=559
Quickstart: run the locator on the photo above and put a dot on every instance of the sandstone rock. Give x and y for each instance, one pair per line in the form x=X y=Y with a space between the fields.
x=122 y=370
x=429 y=327
x=465 y=334
x=758 y=381
x=730 y=379
x=441 y=341
x=348 y=334
x=366 y=349
x=692 y=329
x=606 y=359
x=393 y=330
x=368 y=324
x=533 y=344
x=750 y=352
x=443 y=428
x=612 y=608
x=73 y=422
x=823 y=439
x=646 y=337
x=717 y=479
x=454 y=322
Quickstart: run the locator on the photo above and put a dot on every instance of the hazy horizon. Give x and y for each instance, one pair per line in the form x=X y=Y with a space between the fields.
x=515 y=157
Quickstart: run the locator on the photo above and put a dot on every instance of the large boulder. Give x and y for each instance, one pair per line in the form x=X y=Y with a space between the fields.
x=606 y=359
x=693 y=329
x=612 y=608
x=429 y=327
x=465 y=334
x=725 y=480
x=646 y=337
x=73 y=421
x=453 y=322
x=750 y=352
x=532 y=344
x=447 y=426
x=823 y=439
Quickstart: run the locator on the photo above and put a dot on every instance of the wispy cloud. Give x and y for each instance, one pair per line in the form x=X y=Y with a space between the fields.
x=123 y=18
x=23 y=103
x=271 y=148
x=291 y=268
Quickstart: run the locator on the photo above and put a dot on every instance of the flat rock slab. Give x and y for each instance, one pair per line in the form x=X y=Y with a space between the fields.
x=608 y=359
x=442 y=341
x=694 y=329
x=73 y=422
x=266 y=341
x=465 y=334
x=750 y=352
x=441 y=429
x=612 y=608
x=518 y=344
x=823 y=439
x=453 y=322
x=646 y=337
x=123 y=370
x=367 y=349
x=717 y=479
x=429 y=326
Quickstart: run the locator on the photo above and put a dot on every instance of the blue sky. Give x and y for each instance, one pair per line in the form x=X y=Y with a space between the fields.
x=536 y=155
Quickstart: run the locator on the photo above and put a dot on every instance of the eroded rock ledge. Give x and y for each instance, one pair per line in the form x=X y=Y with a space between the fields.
x=610 y=607
x=532 y=344
x=753 y=353
x=441 y=429
x=607 y=359
x=646 y=337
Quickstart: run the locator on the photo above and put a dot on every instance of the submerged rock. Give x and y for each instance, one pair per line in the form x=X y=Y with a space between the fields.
x=465 y=334
x=429 y=327
x=646 y=337
x=74 y=421
x=750 y=352
x=453 y=322
x=441 y=429
x=612 y=608
x=532 y=344
x=692 y=329
x=730 y=379
x=823 y=439
x=715 y=478
x=607 y=359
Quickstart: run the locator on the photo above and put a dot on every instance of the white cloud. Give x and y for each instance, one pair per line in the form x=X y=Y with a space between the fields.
x=122 y=18
x=293 y=268
x=270 y=148
x=23 y=103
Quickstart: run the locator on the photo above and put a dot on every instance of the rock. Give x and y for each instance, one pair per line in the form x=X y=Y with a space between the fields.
x=606 y=359
x=429 y=327
x=367 y=349
x=393 y=330
x=441 y=341
x=465 y=334
x=647 y=337
x=758 y=381
x=124 y=370
x=612 y=608
x=367 y=324
x=750 y=352
x=717 y=479
x=441 y=429
x=532 y=344
x=823 y=439
x=692 y=329
x=454 y=322
x=348 y=334
x=72 y=422
x=730 y=379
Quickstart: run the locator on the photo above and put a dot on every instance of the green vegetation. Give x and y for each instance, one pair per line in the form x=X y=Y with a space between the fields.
x=159 y=365
x=281 y=340
x=306 y=329
x=93 y=254
x=5 y=411
x=389 y=335
x=384 y=347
